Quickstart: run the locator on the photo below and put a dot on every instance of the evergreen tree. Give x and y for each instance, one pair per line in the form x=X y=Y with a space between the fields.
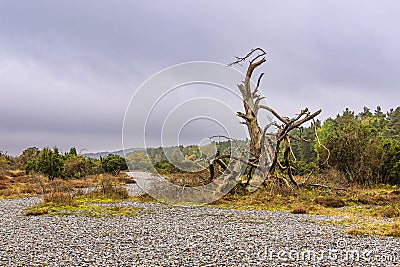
x=114 y=164
x=48 y=162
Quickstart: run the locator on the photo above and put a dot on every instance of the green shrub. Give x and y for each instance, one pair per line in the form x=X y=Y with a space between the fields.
x=113 y=164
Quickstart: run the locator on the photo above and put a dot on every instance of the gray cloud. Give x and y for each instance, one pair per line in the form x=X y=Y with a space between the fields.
x=69 y=68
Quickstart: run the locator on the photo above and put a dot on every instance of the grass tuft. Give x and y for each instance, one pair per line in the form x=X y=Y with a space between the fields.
x=83 y=209
x=382 y=229
x=299 y=210
x=330 y=202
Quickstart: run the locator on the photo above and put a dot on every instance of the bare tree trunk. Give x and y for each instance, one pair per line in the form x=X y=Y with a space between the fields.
x=264 y=148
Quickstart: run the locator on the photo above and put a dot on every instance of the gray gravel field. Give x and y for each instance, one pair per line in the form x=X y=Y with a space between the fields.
x=162 y=235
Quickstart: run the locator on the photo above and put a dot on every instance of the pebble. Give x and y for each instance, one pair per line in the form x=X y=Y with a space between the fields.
x=163 y=235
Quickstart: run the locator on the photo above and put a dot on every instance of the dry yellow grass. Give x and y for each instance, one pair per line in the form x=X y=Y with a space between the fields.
x=20 y=185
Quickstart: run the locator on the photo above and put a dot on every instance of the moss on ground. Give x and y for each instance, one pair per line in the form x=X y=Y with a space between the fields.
x=81 y=209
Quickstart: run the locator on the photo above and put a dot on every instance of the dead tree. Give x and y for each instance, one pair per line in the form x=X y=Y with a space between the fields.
x=265 y=149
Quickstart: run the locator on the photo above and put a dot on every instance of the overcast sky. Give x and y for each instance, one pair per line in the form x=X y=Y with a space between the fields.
x=68 y=69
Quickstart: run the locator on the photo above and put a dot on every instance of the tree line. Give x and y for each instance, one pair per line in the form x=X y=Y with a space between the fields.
x=364 y=148
x=54 y=164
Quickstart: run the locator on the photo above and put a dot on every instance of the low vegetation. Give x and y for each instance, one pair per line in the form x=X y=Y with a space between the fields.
x=62 y=199
x=81 y=209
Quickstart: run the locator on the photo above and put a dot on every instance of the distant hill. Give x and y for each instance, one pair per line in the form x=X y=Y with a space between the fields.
x=104 y=154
